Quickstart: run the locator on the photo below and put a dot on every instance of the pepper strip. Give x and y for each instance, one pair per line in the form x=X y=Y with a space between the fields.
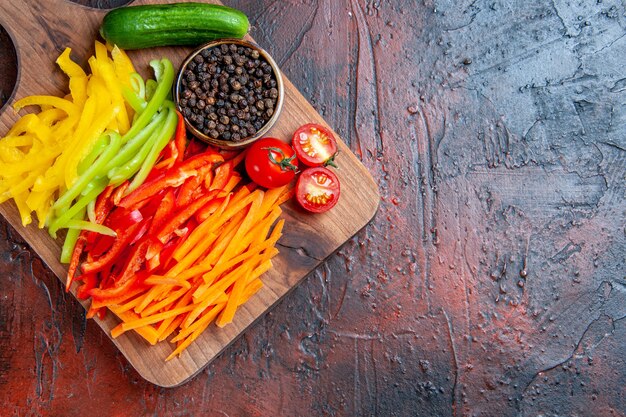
x=96 y=170
x=131 y=147
x=188 y=189
x=181 y=137
x=78 y=78
x=128 y=277
x=60 y=103
x=79 y=245
x=161 y=139
x=166 y=232
x=63 y=220
x=124 y=238
x=164 y=71
x=173 y=177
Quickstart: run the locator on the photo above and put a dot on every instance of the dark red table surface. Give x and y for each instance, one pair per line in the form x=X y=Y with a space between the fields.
x=492 y=281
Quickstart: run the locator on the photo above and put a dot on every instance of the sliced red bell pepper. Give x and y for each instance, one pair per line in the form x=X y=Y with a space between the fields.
x=195 y=147
x=153 y=254
x=104 y=204
x=168 y=157
x=188 y=189
x=149 y=188
x=150 y=206
x=108 y=276
x=142 y=230
x=208 y=179
x=205 y=158
x=129 y=276
x=167 y=253
x=181 y=217
x=180 y=137
x=165 y=209
x=173 y=177
x=89 y=282
x=119 y=192
x=222 y=176
x=120 y=219
x=123 y=240
x=101 y=244
x=75 y=260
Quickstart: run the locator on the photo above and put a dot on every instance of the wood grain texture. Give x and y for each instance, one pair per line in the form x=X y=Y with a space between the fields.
x=496 y=131
x=307 y=241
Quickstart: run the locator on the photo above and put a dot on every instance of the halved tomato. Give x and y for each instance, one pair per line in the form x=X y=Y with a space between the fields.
x=317 y=189
x=314 y=145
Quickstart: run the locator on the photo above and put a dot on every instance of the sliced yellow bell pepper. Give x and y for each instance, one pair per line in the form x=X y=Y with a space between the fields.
x=78 y=78
x=51 y=101
x=40 y=154
x=123 y=66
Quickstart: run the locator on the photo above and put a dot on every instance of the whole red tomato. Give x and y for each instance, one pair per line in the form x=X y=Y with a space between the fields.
x=271 y=162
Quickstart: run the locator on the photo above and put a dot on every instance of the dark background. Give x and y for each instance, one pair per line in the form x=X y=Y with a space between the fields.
x=491 y=282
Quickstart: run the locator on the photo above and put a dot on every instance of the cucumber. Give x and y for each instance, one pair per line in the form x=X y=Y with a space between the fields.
x=137 y=27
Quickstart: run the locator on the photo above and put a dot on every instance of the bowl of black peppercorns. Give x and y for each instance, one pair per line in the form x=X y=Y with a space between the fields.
x=229 y=92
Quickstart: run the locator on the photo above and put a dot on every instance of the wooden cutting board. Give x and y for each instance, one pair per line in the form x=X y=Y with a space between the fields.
x=40 y=31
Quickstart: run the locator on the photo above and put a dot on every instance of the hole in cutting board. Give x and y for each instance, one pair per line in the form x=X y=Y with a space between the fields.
x=102 y=4
x=8 y=67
